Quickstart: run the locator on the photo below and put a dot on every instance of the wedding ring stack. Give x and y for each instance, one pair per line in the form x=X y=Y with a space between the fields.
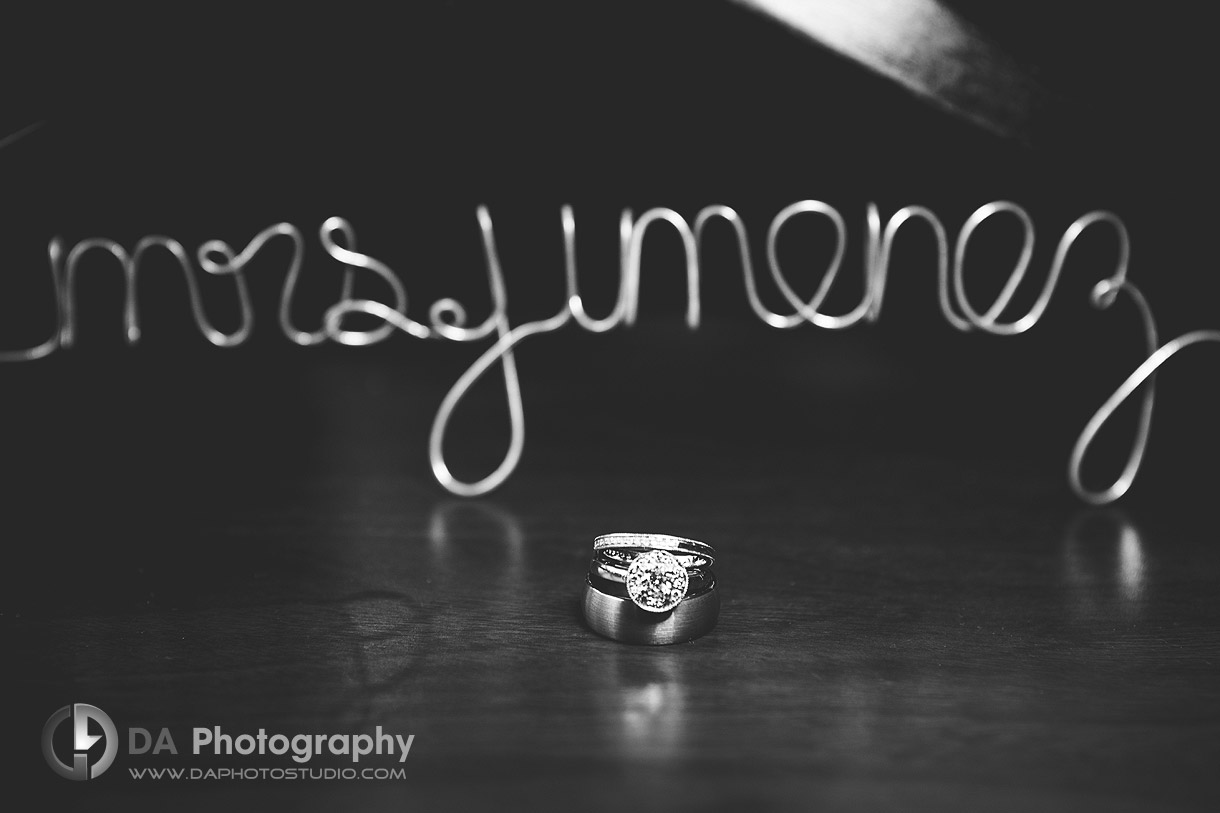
x=651 y=589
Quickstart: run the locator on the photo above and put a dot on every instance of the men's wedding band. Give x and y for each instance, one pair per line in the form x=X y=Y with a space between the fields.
x=611 y=613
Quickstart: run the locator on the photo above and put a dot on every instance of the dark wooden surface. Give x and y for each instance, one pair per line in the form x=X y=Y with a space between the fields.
x=922 y=629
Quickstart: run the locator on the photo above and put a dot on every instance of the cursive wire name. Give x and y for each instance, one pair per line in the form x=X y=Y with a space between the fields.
x=448 y=319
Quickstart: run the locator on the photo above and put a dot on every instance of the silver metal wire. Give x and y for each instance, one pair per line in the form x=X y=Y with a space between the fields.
x=1142 y=376
x=130 y=265
x=951 y=295
x=447 y=318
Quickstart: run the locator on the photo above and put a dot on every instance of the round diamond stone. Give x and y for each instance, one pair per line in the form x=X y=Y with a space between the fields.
x=656 y=582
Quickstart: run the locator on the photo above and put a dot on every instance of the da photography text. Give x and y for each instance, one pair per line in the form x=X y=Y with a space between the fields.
x=95 y=742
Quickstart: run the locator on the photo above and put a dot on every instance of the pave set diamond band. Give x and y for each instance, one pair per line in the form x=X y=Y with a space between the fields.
x=651 y=588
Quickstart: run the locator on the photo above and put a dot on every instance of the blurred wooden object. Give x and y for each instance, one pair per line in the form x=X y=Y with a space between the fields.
x=927 y=48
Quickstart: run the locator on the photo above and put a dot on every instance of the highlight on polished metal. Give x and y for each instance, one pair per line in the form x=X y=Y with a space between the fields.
x=651 y=588
x=447 y=319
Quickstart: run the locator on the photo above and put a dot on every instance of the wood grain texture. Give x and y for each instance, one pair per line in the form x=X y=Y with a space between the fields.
x=913 y=631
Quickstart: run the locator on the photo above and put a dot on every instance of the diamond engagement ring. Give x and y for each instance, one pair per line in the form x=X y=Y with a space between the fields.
x=656 y=582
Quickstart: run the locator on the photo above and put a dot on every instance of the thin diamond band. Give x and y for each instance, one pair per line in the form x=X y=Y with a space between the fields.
x=663 y=542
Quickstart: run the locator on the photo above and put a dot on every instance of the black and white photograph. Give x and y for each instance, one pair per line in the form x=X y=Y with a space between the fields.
x=709 y=405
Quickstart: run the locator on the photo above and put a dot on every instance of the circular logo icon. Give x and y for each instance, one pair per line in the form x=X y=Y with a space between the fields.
x=82 y=741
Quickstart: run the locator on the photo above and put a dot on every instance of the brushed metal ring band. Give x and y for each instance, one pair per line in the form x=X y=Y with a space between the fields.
x=663 y=542
x=610 y=613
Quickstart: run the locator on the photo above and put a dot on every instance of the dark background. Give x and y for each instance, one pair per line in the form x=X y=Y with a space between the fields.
x=216 y=125
x=174 y=476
